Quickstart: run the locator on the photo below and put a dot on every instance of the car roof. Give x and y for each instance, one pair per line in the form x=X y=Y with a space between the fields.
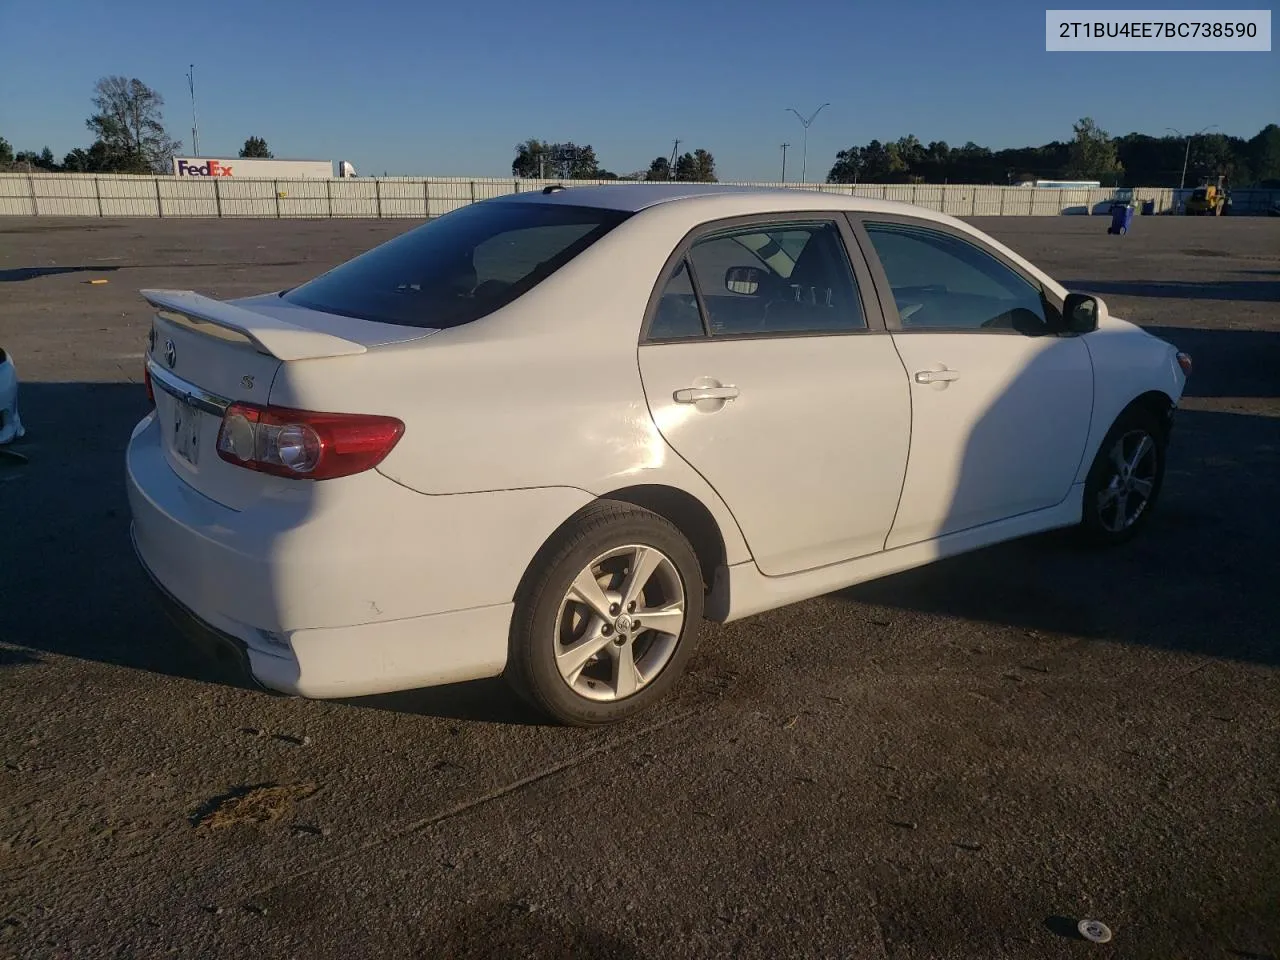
x=720 y=200
x=689 y=204
x=633 y=198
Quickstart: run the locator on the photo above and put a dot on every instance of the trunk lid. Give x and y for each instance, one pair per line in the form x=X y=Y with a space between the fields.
x=205 y=354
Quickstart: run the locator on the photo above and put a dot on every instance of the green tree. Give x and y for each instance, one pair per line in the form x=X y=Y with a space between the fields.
x=256 y=147
x=704 y=166
x=573 y=162
x=532 y=159
x=1215 y=155
x=911 y=153
x=6 y=151
x=559 y=161
x=847 y=168
x=1092 y=154
x=40 y=161
x=95 y=159
x=130 y=124
x=877 y=163
x=1264 y=154
x=660 y=169
x=684 y=171
x=696 y=167
x=77 y=161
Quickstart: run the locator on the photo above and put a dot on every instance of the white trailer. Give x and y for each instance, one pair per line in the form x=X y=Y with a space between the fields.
x=246 y=168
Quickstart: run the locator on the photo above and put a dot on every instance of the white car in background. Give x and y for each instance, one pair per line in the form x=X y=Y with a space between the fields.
x=545 y=435
x=10 y=423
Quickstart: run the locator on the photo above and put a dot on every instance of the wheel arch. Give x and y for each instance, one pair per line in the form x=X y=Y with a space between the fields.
x=1156 y=402
x=690 y=516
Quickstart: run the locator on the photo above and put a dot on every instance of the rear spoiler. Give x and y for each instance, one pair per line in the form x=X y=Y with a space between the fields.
x=284 y=341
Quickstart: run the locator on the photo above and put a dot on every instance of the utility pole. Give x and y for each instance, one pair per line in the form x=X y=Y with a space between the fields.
x=1187 y=155
x=675 y=148
x=804 y=157
x=784 y=162
x=195 y=135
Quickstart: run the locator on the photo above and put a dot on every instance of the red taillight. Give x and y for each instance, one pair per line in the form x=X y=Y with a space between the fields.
x=146 y=378
x=302 y=444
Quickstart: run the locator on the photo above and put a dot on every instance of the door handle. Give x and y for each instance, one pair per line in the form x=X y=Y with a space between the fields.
x=694 y=394
x=936 y=376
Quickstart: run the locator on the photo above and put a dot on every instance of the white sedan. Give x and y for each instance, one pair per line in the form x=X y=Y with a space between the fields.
x=546 y=435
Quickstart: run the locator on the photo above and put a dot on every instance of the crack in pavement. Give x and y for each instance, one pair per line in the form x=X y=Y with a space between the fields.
x=425 y=823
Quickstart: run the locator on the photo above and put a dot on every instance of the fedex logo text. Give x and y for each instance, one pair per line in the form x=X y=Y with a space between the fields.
x=211 y=169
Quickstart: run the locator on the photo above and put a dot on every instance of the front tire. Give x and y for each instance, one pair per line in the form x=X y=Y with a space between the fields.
x=1125 y=480
x=606 y=617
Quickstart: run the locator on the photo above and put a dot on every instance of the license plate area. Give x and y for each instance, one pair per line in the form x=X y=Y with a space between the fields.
x=184 y=431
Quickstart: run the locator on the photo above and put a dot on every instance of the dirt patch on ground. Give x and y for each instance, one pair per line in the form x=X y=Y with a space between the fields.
x=263 y=803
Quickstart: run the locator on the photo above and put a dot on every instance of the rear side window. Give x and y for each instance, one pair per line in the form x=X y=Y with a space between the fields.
x=777 y=279
x=459 y=268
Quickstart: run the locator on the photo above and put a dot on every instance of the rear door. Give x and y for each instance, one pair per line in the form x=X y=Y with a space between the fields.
x=1001 y=402
x=767 y=367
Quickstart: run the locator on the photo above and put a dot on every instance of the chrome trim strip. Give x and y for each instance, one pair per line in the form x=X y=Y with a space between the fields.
x=186 y=392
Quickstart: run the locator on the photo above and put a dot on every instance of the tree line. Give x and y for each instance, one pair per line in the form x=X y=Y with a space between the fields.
x=541 y=159
x=1091 y=154
x=129 y=136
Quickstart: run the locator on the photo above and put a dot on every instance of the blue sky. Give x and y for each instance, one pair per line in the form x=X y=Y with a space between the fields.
x=449 y=89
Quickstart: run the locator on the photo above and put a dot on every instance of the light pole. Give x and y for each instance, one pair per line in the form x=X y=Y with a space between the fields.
x=784 y=162
x=195 y=136
x=804 y=156
x=1187 y=156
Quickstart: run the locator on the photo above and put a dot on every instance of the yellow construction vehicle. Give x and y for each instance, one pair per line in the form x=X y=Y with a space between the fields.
x=1209 y=198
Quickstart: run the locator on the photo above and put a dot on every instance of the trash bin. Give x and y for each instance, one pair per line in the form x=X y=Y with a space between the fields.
x=1148 y=208
x=1121 y=218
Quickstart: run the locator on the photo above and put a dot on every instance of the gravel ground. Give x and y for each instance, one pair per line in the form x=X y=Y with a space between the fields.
x=961 y=761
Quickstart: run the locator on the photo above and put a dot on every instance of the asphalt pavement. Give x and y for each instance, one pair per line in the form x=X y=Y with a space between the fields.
x=960 y=761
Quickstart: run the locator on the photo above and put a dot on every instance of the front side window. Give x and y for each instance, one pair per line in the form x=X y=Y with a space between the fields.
x=460 y=267
x=940 y=281
x=777 y=279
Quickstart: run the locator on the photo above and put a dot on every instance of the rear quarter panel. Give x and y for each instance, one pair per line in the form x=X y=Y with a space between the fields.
x=543 y=393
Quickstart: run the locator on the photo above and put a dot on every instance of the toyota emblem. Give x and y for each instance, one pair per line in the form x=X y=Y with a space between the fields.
x=170 y=354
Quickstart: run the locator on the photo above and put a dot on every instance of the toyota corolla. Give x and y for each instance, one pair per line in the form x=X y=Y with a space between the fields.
x=544 y=436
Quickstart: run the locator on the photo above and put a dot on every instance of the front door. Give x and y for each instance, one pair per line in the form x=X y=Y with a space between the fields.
x=1001 y=403
x=769 y=372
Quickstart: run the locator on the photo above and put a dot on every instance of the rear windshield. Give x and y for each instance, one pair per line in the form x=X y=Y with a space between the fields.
x=460 y=267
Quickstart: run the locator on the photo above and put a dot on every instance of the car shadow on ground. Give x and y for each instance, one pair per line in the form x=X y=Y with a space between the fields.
x=1200 y=579
x=18 y=274
x=71 y=585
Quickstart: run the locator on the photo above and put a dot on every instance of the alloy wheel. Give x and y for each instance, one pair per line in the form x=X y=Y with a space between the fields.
x=1131 y=479
x=619 y=623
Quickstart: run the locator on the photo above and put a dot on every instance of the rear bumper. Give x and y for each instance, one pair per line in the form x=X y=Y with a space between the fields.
x=346 y=588
x=355 y=661
x=217 y=646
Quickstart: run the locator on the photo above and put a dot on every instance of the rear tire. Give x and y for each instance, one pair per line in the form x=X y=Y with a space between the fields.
x=1125 y=480
x=580 y=651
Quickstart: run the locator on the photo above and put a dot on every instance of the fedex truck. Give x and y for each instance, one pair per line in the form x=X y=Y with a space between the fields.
x=246 y=168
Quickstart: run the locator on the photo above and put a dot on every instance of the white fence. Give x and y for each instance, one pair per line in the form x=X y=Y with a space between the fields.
x=88 y=195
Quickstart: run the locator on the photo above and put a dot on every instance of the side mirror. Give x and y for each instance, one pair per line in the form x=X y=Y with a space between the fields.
x=744 y=281
x=1082 y=312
